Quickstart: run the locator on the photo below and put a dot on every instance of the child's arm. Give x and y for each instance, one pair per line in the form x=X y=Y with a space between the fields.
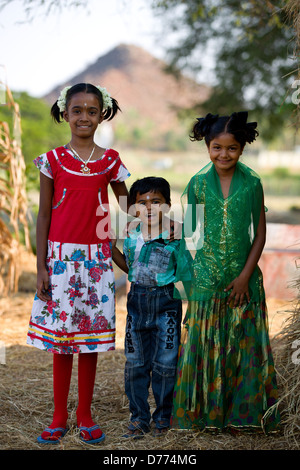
x=117 y=256
x=239 y=285
x=42 y=231
x=121 y=193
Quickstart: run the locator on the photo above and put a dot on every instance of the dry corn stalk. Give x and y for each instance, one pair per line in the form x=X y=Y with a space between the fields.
x=13 y=200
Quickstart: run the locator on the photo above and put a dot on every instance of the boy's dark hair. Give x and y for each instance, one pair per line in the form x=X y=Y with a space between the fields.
x=87 y=88
x=150 y=184
x=211 y=126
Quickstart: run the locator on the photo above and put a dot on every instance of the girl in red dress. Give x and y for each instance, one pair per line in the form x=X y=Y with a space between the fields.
x=74 y=306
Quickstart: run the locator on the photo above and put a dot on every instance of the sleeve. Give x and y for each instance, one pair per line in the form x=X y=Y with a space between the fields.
x=43 y=164
x=190 y=217
x=119 y=172
x=125 y=251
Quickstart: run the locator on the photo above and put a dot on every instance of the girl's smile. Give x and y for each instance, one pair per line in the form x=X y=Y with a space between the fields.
x=83 y=113
x=224 y=152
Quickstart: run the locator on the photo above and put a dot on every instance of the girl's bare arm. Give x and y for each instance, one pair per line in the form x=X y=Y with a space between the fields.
x=121 y=192
x=239 y=285
x=117 y=256
x=42 y=231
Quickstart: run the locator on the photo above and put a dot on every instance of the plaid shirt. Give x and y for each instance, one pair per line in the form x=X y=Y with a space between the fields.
x=153 y=262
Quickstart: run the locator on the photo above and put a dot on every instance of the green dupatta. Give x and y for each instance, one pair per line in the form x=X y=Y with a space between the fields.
x=219 y=232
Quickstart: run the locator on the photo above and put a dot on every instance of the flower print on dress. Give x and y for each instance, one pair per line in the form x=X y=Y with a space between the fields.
x=93 y=344
x=85 y=323
x=43 y=165
x=82 y=306
x=78 y=316
x=47 y=344
x=59 y=267
x=106 y=250
x=40 y=320
x=101 y=323
x=112 y=287
x=90 y=264
x=78 y=255
x=50 y=309
x=73 y=292
x=77 y=265
x=51 y=305
x=93 y=300
x=63 y=316
x=95 y=274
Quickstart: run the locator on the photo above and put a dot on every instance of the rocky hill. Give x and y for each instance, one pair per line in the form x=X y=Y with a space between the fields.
x=148 y=96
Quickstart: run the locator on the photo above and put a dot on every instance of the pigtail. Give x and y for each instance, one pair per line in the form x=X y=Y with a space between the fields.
x=251 y=132
x=239 y=126
x=56 y=114
x=110 y=113
x=203 y=126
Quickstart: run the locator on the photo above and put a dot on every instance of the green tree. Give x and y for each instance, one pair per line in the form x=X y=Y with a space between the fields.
x=251 y=44
x=39 y=132
x=33 y=7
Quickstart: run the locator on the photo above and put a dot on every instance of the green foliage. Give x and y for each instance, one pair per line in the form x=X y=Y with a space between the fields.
x=251 y=45
x=33 y=7
x=39 y=132
x=134 y=130
x=281 y=182
x=137 y=131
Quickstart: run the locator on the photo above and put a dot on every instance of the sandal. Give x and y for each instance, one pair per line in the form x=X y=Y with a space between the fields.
x=159 y=432
x=136 y=433
x=89 y=431
x=55 y=439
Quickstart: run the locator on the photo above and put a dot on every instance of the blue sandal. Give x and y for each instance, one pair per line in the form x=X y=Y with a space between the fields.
x=57 y=439
x=89 y=431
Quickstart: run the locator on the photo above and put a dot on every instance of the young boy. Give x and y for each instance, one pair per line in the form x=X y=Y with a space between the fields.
x=153 y=326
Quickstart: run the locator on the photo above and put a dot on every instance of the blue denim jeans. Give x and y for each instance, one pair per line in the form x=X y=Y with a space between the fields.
x=151 y=347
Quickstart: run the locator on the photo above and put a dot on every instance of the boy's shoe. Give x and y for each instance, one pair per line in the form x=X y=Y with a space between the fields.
x=135 y=432
x=159 y=432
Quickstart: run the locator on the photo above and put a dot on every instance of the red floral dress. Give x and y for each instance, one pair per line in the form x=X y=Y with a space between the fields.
x=81 y=315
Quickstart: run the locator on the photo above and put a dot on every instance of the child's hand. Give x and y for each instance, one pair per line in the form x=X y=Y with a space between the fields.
x=239 y=293
x=42 y=285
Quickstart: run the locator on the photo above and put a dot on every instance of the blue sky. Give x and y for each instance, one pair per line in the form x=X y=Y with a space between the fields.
x=37 y=56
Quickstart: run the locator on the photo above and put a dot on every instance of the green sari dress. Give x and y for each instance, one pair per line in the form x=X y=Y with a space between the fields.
x=225 y=373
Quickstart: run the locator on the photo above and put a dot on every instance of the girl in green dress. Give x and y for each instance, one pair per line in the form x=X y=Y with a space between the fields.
x=225 y=377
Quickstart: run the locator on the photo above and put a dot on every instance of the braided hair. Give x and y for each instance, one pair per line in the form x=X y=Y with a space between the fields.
x=212 y=125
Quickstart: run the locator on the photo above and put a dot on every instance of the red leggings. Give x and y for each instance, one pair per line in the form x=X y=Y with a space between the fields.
x=62 y=371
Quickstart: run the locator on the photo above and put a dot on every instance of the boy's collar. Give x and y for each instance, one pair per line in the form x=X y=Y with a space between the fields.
x=137 y=232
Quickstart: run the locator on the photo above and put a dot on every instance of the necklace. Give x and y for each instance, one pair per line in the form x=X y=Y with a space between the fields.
x=84 y=168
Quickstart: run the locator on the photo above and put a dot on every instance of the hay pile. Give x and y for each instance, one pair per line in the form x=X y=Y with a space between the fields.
x=288 y=366
x=26 y=395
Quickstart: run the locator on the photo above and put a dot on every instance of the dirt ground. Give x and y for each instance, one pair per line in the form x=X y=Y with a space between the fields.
x=26 y=388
